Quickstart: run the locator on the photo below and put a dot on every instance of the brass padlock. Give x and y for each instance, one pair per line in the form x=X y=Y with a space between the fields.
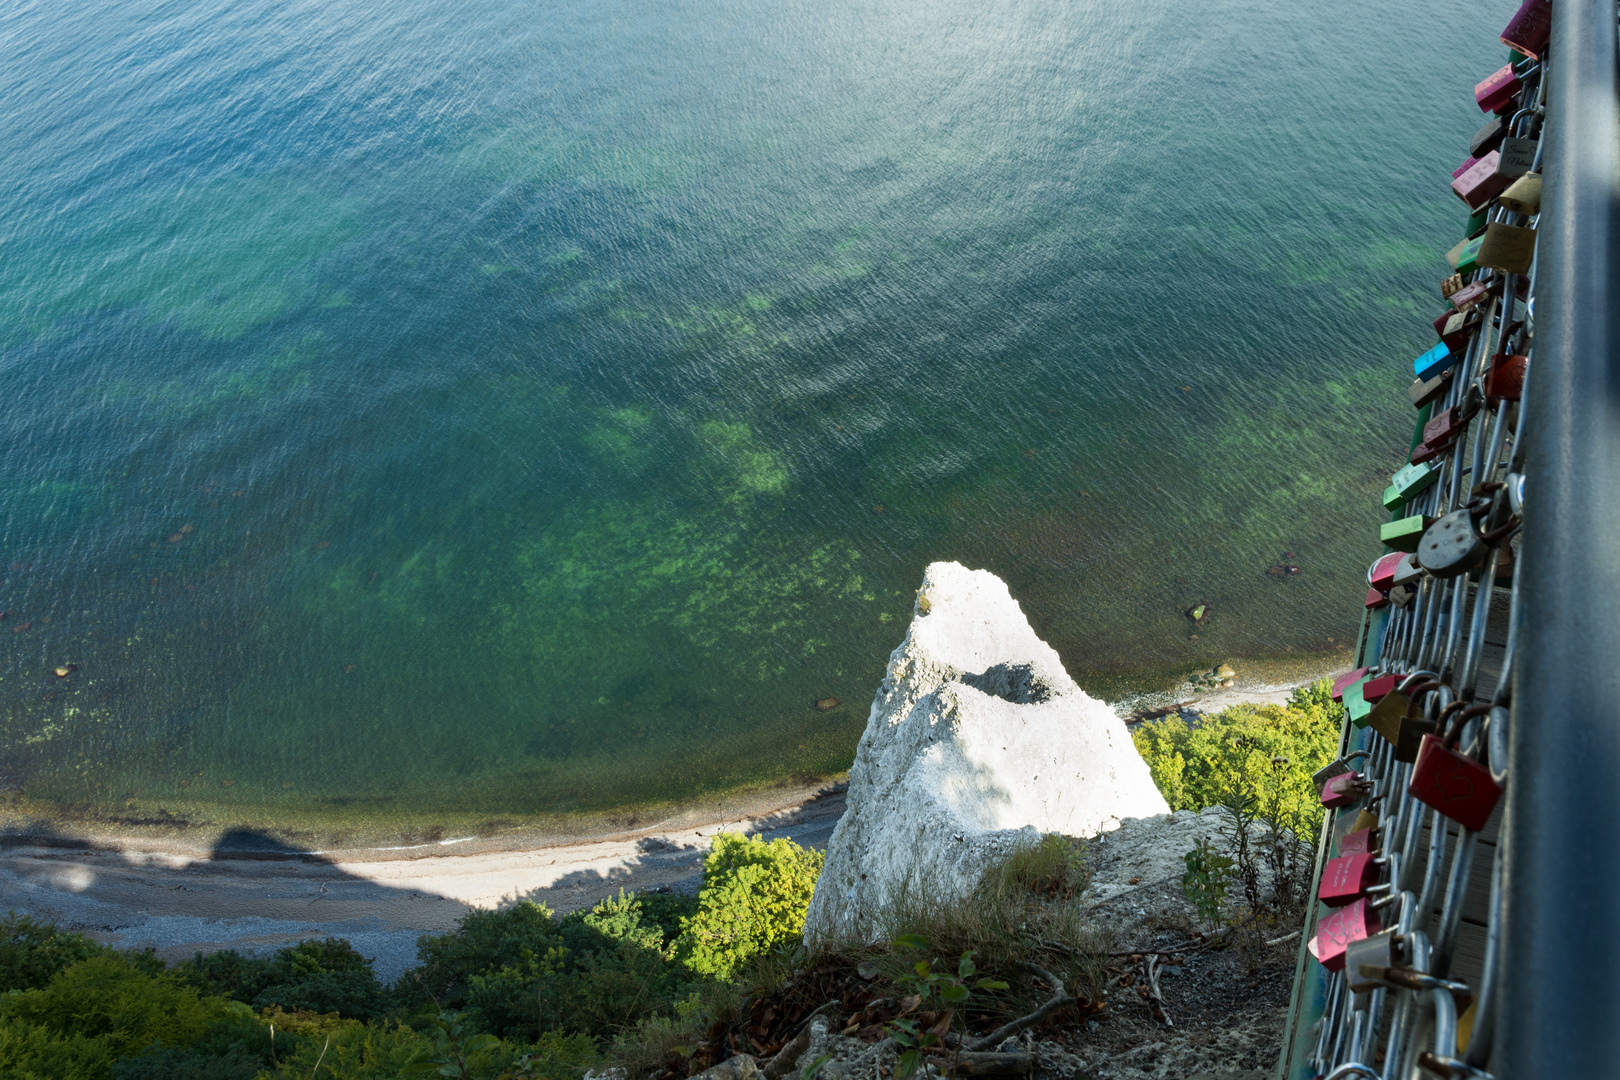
x=1409 y=737
x=1450 y=285
x=1450 y=547
x=1423 y=391
x=1523 y=196
x=1508 y=248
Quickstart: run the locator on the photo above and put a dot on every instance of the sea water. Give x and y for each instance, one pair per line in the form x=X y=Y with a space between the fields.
x=478 y=411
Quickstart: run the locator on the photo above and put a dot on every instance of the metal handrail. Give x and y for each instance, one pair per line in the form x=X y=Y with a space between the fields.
x=1561 y=882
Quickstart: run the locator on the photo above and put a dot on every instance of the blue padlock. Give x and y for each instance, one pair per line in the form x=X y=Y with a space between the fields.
x=1434 y=362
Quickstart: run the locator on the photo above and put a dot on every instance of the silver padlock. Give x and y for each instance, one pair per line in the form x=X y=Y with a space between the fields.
x=1337 y=767
x=1450 y=547
x=1365 y=961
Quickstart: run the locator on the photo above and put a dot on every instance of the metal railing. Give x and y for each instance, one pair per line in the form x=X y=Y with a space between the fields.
x=1498 y=944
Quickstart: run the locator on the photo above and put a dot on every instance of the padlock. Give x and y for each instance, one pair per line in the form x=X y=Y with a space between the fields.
x=1458 y=328
x=1452 y=782
x=1409 y=572
x=1465 y=166
x=1463 y=255
x=1487 y=138
x=1414 y=728
x=1450 y=285
x=1508 y=248
x=1496 y=91
x=1465 y=258
x=1360 y=841
x=1476 y=222
x=1529 y=28
x=1374 y=690
x=1443 y=430
x=1336 y=767
x=1402 y=596
x=1346 y=879
x=1381 y=575
x=1505 y=380
x=1407 y=482
x=1433 y=362
x=1365 y=961
x=1385 y=717
x=1336 y=931
x=1423 y=391
x=1481 y=182
x=1523 y=196
x=1354 y=704
x=1365 y=821
x=1374 y=600
x=1515 y=157
x=1450 y=547
x=1346 y=789
x=1404 y=534
x=1466 y=297
x=1342 y=681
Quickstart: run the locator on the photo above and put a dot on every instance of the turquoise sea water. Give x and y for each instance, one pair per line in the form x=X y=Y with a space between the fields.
x=497 y=409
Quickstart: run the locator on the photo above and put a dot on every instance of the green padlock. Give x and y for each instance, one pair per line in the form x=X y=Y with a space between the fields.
x=1355 y=703
x=1476 y=222
x=1404 y=534
x=1409 y=481
x=1468 y=255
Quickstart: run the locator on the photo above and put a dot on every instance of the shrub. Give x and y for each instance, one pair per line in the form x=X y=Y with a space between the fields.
x=755 y=894
x=1239 y=747
x=32 y=952
x=107 y=997
x=320 y=976
x=34 y=1052
x=523 y=971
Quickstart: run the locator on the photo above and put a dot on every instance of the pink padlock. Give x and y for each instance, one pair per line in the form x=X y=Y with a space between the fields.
x=1481 y=183
x=1347 y=878
x=1336 y=931
x=1464 y=167
x=1373 y=690
x=1342 y=681
x=1359 y=842
x=1466 y=297
x=1346 y=789
x=1496 y=91
x=1529 y=28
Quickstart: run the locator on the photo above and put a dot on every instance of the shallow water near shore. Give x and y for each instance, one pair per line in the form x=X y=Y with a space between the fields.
x=475 y=412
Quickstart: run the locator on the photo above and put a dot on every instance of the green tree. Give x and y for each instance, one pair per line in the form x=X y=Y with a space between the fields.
x=755 y=895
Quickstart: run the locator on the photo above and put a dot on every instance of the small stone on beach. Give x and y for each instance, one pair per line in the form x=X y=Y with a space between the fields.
x=827 y=704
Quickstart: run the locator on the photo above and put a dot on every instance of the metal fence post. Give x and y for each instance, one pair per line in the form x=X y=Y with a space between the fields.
x=1561 y=943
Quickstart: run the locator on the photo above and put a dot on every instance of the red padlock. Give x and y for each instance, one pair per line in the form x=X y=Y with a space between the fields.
x=1469 y=295
x=1382 y=574
x=1374 y=600
x=1529 y=28
x=1346 y=789
x=1496 y=91
x=1342 y=681
x=1359 y=842
x=1346 y=879
x=1452 y=782
x=1505 y=380
x=1336 y=931
x=1481 y=182
x=1456 y=331
x=1375 y=689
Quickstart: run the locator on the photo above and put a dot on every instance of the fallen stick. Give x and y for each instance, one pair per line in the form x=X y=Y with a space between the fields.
x=1059 y=999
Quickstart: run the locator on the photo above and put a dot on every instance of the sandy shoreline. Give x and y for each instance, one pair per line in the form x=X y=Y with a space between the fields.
x=179 y=898
x=246 y=890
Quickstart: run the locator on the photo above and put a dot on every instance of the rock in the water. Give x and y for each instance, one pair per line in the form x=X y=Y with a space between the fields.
x=1225 y=671
x=977 y=741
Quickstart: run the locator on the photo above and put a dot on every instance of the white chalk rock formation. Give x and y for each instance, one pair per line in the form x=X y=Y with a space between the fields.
x=978 y=741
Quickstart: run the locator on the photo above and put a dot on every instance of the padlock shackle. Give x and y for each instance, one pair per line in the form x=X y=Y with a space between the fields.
x=1407 y=683
x=1454 y=733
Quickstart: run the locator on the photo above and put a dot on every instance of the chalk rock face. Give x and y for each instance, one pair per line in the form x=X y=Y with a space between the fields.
x=978 y=741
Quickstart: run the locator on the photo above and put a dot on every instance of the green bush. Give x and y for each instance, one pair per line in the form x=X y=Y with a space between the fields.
x=755 y=895
x=32 y=952
x=318 y=976
x=1274 y=748
x=524 y=971
x=34 y=1052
